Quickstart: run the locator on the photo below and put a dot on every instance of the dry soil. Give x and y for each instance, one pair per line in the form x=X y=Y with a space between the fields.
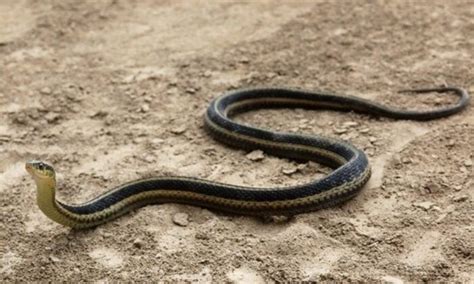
x=110 y=91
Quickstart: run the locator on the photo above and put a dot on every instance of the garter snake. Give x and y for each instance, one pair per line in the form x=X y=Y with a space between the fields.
x=351 y=167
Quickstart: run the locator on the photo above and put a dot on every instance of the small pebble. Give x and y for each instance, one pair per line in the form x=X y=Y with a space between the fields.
x=468 y=163
x=244 y=60
x=138 y=243
x=406 y=160
x=5 y=138
x=201 y=236
x=340 y=130
x=52 y=117
x=372 y=139
x=99 y=114
x=145 y=108
x=190 y=90
x=256 y=155
x=181 y=219
x=157 y=141
x=392 y=280
x=178 y=130
x=289 y=171
x=293 y=169
x=271 y=75
x=45 y=91
x=432 y=187
x=424 y=205
x=301 y=167
x=149 y=159
x=348 y=124
x=54 y=259
x=438 y=101
x=461 y=198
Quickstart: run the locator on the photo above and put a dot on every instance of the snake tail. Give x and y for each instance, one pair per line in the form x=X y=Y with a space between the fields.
x=350 y=165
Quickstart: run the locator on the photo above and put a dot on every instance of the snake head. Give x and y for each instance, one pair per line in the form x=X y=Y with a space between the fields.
x=40 y=170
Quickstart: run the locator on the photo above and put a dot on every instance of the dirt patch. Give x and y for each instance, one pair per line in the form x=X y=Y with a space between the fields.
x=114 y=91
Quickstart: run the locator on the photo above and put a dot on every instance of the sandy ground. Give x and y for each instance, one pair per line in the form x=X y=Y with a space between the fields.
x=110 y=91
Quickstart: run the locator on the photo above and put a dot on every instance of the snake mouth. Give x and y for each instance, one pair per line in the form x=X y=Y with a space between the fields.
x=29 y=167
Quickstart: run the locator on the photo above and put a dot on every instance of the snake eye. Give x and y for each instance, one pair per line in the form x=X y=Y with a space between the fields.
x=41 y=166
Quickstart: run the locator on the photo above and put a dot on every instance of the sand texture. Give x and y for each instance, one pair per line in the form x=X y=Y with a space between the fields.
x=111 y=91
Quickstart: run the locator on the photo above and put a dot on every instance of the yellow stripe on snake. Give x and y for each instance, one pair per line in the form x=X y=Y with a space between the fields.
x=351 y=167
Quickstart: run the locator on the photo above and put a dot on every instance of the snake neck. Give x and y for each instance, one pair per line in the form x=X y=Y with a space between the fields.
x=46 y=199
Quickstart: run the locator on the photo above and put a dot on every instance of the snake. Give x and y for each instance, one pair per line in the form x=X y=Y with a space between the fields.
x=350 y=169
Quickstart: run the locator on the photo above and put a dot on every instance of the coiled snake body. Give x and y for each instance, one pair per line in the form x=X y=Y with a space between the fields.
x=351 y=168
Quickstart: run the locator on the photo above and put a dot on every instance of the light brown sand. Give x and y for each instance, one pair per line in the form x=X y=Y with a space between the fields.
x=115 y=90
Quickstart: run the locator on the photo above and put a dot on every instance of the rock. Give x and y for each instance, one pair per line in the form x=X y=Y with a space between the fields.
x=45 y=91
x=438 y=101
x=441 y=217
x=256 y=155
x=461 y=198
x=181 y=219
x=210 y=151
x=54 y=259
x=432 y=187
x=349 y=124
x=179 y=130
x=157 y=142
x=372 y=139
x=340 y=130
x=138 y=243
x=190 y=90
x=149 y=159
x=99 y=114
x=339 y=31
x=271 y=75
x=145 y=108
x=424 y=205
x=301 y=167
x=201 y=236
x=364 y=130
x=173 y=82
x=244 y=60
x=5 y=138
x=148 y=74
x=406 y=160
x=468 y=163
x=52 y=117
x=392 y=280
x=289 y=171
x=303 y=123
